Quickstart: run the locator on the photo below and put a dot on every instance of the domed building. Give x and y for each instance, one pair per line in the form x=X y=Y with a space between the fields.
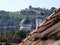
x=26 y=24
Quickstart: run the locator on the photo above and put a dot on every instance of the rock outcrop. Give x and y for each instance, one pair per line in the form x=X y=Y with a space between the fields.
x=47 y=33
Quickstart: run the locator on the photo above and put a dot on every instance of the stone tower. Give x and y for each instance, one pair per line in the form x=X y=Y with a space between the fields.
x=39 y=18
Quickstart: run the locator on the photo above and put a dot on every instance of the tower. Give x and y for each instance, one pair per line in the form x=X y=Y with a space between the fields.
x=39 y=18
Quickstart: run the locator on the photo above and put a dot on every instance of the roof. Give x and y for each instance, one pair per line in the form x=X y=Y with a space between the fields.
x=25 y=21
x=54 y=16
x=48 y=29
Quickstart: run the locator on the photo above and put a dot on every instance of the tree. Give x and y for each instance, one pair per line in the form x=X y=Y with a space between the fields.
x=30 y=7
x=52 y=8
x=21 y=33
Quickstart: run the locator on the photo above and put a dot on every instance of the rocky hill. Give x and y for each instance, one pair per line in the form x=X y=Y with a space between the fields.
x=47 y=33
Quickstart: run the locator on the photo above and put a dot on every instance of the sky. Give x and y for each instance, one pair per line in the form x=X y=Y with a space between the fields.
x=17 y=5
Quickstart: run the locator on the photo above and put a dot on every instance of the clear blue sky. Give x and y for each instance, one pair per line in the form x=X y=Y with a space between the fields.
x=17 y=5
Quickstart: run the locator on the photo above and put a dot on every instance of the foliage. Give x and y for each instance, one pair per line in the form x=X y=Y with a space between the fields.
x=13 y=19
x=22 y=33
x=7 y=36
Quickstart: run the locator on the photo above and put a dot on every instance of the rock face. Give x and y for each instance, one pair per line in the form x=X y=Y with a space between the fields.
x=47 y=33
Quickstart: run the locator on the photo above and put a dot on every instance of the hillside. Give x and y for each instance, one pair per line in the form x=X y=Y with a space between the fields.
x=31 y=12
x=10 y=23
x=12 y=19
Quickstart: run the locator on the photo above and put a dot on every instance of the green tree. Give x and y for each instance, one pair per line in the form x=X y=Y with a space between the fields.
x=30 y=7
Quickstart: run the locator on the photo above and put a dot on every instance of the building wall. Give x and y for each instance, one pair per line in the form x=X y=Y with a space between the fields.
x=38 y=21
x=25 y=27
